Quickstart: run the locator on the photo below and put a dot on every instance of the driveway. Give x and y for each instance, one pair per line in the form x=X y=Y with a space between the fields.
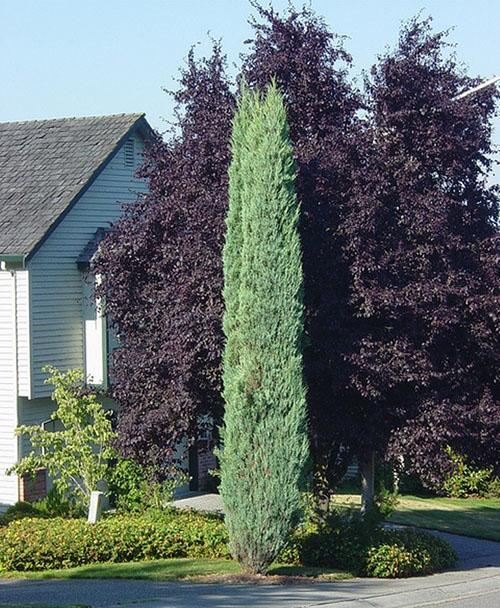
x=475 y=583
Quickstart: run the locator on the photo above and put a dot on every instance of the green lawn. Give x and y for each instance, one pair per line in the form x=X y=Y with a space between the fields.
x=479 y=517
x=174 y=569
x=468 y=516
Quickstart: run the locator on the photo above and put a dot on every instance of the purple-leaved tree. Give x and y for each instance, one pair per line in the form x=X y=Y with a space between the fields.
x=162 y=274
x=420 y=244
x=397 y=228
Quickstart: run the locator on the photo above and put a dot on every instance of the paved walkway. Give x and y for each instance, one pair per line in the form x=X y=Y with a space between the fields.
x=475 y=584
x=200 y=502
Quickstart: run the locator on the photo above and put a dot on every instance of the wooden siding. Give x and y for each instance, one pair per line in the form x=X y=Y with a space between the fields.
x=8 y=409
x=57 y=329
x=23 y=333
x=33 y=411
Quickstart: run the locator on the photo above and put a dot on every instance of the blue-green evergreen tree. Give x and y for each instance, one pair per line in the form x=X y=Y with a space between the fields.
x=265 y=446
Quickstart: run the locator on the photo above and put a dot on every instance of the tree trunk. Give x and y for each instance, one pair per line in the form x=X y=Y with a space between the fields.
x=367 y=470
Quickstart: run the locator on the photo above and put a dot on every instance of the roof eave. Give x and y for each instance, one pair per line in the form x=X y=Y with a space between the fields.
x=10 y=260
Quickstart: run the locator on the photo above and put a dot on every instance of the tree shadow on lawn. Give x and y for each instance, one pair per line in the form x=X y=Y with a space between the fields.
x=190 y=570
x=477 y=522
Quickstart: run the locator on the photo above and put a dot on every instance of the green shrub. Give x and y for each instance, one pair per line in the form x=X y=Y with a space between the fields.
x=134 y=489
x=345 y=543
x=19 y=511
x=493 y=490
x=367 y=550
x=465 y=480
x=400 y=554
x=41 y=544
x=53 y=505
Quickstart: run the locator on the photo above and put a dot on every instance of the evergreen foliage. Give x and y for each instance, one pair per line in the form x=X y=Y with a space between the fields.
x=309 y=63
x=265 y=446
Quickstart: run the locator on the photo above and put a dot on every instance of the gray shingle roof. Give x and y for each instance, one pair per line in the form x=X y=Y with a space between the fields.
x=44 y=165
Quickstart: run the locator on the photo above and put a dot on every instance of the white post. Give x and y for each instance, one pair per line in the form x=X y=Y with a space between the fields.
x=95 y=507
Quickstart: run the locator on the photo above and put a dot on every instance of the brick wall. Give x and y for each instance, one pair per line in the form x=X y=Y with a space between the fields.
x=33 y=488
x=206 y=462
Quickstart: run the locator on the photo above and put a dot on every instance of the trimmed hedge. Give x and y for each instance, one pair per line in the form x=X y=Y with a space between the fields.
x=43 y=544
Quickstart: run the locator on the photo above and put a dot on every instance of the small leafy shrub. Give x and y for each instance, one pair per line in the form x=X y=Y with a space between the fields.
x=19 y=511
x=53 y=505
x=126 y=486
x=399 y=554
x=465 y=480
x=362 y=547
x=40 y=544
x=493 y=488
x=386 y=503
x=411 y=484
x=133 y=489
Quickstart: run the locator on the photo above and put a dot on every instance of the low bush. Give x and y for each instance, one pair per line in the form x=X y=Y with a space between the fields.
x=20 y=510
x=398 y=554
x=42 y=544
x=493 y=490
x=135 y=489
x=366 y=549
x=53 y=505
x=466 y=480
x=351 y=544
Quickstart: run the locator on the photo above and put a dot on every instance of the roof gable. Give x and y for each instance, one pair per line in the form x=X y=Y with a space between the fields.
x=45 y=166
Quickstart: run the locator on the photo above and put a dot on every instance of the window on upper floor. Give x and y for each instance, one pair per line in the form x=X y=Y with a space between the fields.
x=95 y=335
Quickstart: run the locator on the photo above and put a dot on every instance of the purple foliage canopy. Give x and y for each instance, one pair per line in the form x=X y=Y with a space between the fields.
x=163 y=275
x=420 y=240
x=397 y=228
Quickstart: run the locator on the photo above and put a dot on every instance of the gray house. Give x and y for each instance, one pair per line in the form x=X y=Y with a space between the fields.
x=62 y=182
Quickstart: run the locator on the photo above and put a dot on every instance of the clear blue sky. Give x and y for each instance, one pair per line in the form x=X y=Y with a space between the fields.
x=87 y=57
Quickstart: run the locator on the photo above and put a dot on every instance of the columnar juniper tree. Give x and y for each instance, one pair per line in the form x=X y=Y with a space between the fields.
x=162 y=274
x=265 y=446
x=310 y=66
x=419 y=241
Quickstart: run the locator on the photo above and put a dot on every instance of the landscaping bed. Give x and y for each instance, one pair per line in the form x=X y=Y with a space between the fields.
x=47 y=546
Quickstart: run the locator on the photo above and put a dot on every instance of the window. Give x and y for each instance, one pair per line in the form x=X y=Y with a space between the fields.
x=95 y=336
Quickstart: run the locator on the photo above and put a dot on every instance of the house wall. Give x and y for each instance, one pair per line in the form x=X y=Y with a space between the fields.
x=56 y=284
x=8 y=388
x=23 y=333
